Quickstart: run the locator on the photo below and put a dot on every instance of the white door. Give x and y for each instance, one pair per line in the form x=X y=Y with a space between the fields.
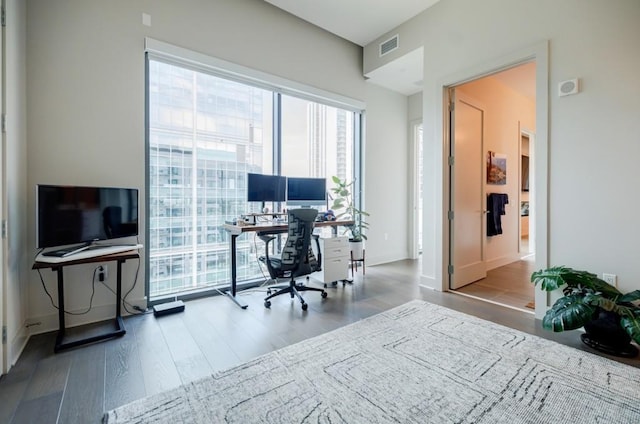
x=467 y=221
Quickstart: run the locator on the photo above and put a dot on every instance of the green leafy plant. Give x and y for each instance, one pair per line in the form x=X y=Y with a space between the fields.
x=585 y=295
x=343 y=201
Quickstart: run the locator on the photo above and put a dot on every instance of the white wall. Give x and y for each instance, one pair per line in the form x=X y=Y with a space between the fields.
x=386 y=193
x=86 y=103
x=15 y=163
x=415 y=107
x=592 y=217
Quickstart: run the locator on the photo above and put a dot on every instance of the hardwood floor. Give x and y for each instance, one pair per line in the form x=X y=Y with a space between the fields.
x=508 y=285
x=79 y=385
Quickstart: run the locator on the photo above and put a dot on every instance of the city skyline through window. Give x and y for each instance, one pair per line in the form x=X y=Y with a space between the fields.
x=205 y=134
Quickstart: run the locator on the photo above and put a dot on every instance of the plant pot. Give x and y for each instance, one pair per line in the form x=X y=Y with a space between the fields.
x=606 y=335
x=357 y=249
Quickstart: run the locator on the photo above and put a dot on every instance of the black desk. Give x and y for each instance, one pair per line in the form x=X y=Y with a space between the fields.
x=275 y=228
x=119 y=331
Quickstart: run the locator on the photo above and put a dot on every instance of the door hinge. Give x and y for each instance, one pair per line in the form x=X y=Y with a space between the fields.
x=3 y=123
x=452 y=106
x=451 y=160
x=450 y=215
x=4 y=334
x=4 y=228
x=450 y=269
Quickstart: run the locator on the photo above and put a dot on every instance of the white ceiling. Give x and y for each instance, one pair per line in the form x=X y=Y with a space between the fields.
x=403 y=75
x=521 y=79
x=362 y=21
x=359 y=21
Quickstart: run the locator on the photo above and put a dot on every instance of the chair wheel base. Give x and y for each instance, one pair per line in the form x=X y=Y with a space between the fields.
x=305 y=306
x=324 y=294
x=267 y=303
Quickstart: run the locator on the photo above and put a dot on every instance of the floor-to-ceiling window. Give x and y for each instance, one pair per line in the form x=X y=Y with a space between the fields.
x=205 y=133
x=317 y=140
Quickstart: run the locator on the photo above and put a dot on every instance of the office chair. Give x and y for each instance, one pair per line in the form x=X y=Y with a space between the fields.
x=297 y=258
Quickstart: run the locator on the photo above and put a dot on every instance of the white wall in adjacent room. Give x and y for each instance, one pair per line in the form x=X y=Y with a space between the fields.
x=505 y=112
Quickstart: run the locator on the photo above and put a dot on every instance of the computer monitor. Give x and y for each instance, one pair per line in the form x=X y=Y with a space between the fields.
x=306 y=191
x=266 y=188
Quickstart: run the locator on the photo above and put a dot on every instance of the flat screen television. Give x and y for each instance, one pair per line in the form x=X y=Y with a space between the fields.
x=266 y=188
x=68 y=215
x=306 y=191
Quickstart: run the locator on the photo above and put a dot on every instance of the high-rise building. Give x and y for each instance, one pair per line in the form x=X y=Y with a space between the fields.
x=205 y=134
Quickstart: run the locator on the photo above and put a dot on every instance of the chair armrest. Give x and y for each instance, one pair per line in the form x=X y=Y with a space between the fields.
x=266 y=238
x=316 y=239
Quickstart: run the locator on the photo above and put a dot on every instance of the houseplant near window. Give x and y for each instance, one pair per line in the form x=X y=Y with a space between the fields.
x=610 y=318
x=343 y=201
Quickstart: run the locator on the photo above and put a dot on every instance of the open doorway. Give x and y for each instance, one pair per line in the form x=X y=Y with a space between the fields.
x=416 y=189
x=492 y=127
x=527 y=202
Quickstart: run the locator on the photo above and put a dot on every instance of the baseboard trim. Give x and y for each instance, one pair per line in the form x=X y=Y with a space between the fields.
x=379 y=260
x=18 y=345
x=429 y=283
x=46 y=323
x=502 y=261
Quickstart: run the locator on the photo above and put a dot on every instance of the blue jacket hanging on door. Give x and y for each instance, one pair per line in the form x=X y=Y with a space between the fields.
x=495 y=209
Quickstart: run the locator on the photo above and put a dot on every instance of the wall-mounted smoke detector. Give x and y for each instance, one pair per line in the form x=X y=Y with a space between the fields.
x=389 y=45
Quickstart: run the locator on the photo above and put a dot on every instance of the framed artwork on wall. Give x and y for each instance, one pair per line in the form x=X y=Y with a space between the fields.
x=496 y=168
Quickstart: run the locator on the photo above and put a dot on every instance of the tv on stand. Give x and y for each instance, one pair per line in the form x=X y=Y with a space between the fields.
x=73 y=219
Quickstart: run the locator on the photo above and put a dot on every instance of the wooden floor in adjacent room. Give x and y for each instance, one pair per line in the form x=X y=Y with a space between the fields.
x=77 y=386
x=508 y=285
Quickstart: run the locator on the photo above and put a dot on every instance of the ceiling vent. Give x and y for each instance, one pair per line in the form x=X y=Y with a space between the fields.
x=390 y=45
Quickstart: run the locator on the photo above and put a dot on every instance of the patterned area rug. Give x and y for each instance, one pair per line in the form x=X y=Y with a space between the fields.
x=417 y=363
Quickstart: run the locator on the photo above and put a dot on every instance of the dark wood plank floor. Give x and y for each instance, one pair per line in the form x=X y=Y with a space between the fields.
x=79 y=385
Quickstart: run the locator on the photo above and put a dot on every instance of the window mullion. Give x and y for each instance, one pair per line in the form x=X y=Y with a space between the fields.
x=277 y=133
x=194 y=185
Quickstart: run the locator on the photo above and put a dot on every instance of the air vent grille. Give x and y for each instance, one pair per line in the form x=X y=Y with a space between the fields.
x=390 y=45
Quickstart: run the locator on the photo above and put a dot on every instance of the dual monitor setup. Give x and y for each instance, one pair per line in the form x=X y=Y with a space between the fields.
x=294 y=191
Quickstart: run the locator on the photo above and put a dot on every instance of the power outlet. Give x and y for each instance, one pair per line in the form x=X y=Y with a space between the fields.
x=102 y=273
x=611 y=279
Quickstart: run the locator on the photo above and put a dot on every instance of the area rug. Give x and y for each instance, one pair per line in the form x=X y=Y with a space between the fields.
x=417 y=363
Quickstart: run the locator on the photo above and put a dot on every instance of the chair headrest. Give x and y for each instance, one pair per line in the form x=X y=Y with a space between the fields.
x=305 y=214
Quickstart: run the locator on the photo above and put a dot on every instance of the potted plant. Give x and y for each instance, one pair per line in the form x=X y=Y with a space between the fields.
x=343 y=200
x=610 y=318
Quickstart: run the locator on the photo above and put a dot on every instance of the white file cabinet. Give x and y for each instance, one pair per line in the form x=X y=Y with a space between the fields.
x=335 y=259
